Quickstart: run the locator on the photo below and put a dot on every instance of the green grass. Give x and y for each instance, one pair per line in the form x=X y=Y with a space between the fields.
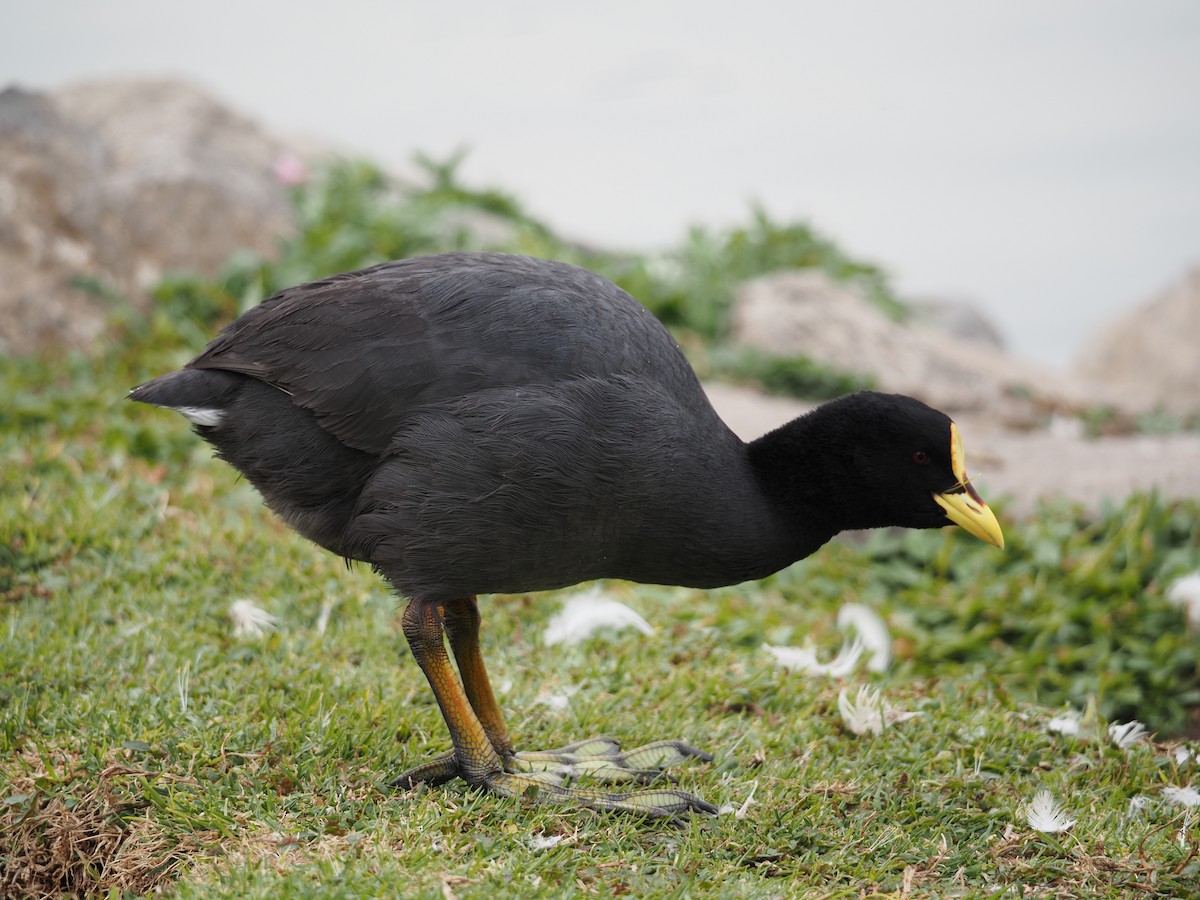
x=146 y=748
x=791 y=376
x=143 y=746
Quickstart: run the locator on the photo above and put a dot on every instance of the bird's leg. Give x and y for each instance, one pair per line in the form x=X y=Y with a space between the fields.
x=473 y=756
x=466 y=706
x=461 y=620
x=600 y=757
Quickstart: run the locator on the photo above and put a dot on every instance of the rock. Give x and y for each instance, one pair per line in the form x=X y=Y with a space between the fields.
x=46 y=165
x=121 y=182
x=958 y=318
x=188 y=180
x=1149 y=358
x=806 y=313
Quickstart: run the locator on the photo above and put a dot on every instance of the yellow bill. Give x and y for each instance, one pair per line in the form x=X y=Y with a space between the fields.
x=962 y=503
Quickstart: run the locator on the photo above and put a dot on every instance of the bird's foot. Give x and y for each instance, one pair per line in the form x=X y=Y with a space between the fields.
x=547 y=787
x=601 y=758
x=442 y=768
x=544 y=776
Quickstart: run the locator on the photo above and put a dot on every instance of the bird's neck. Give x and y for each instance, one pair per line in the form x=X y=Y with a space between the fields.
x=806 y=470
x=765 y=510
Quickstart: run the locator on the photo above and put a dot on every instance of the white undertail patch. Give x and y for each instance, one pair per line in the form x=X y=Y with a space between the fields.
x=200 y=415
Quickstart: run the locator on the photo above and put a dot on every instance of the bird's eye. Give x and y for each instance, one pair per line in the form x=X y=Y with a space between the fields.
x=920 y=457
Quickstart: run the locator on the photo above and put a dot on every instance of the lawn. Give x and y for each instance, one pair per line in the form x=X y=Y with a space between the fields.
x=147 y=745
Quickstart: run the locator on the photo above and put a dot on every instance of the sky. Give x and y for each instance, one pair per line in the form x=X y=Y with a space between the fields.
x=1039 y=158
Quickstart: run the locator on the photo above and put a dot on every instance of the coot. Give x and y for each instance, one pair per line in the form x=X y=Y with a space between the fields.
x=476 y=423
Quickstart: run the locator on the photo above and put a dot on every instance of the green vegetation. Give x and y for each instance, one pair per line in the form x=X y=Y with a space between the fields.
x=144 y=745
x=1105 y=421
x=710 y=266
x=794 y=376
x=354 y=216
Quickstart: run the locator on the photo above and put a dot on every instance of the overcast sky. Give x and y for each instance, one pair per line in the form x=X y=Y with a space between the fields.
x=1040 y=158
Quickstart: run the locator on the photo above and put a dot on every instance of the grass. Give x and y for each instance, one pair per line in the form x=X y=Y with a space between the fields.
x=792 y=376
x=144 y=747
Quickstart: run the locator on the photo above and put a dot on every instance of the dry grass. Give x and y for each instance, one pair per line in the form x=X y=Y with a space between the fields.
x=89 y=841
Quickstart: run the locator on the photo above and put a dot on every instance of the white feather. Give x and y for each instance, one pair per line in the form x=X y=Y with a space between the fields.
x=1182 y=796
x=586 y=613
x=873 y=631
x=804 y=659
x=250 y=620
x=1066 y=723
x=1138 y=805
x=1044 y=814
x=1185 y=592
x=1125 y=736
x=200 y=415
x=868 y=713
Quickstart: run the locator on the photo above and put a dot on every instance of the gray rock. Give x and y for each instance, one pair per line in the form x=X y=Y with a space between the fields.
x=122 y=182
x=188 y=179
x=1150 y=357
x=958 y=318
x=806 y=313
x=46 y=164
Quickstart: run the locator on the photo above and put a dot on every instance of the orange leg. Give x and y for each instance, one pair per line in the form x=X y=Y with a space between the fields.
x=474 y=756
x=461 y=620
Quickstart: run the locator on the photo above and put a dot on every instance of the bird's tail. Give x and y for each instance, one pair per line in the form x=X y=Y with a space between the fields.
x=202 y=395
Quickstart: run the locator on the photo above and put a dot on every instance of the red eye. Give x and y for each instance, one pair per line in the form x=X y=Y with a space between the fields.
x=920 y=457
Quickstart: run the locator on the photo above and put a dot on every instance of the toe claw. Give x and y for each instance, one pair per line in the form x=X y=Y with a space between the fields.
x=438 y=770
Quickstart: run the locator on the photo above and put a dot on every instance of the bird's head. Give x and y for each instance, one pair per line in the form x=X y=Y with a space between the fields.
x=889 y=460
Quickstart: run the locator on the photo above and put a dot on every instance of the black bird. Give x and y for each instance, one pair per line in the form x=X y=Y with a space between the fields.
x=476 y=423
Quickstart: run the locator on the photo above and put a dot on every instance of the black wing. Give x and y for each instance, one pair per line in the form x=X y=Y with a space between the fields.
x=366 y=350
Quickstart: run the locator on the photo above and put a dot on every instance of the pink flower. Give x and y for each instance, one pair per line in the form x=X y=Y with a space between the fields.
x=290 y=170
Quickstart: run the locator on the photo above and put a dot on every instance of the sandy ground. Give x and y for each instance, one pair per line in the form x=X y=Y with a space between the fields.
x=1023 y=466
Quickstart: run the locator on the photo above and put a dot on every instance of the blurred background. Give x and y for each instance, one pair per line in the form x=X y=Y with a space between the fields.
x=1039 y=160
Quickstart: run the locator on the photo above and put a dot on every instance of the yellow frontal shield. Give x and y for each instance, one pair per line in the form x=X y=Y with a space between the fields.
x=962 y=503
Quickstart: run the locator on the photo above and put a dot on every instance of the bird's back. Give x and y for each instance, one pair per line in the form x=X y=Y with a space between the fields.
x=366 y=350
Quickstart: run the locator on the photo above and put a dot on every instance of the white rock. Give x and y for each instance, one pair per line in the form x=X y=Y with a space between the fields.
x=1150 y=356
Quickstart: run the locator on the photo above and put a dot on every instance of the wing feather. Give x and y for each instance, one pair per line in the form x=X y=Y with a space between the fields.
x=366 y=351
